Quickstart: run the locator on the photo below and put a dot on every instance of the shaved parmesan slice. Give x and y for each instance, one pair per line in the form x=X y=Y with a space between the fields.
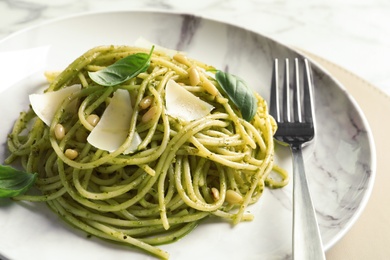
x=113 y=127
x=181 y=103
x=46 y=105
x=143 y=43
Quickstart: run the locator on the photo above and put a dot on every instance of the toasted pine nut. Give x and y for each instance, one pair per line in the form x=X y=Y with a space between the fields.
x=215 y=193
x=180 y=58
x=71 y=154
x=93 y=119
x=233 y=197
x=193 y=74
x=146 y=102
x=59 y=131
x=149 y=114
x=208 y=86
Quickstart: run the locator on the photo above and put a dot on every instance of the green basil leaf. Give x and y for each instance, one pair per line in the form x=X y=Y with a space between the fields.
x=239 y=93
x=14 y=182
x=122 y=70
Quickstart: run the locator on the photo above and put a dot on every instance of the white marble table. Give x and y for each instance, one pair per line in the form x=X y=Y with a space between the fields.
x=351 y=33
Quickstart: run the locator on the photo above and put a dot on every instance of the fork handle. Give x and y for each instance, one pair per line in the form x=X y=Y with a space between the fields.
x=307 y=244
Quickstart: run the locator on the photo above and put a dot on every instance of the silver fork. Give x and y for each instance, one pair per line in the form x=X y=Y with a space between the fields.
x=296 y=128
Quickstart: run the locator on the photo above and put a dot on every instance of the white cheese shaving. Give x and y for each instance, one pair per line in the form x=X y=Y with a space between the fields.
x=180 y=103
x=46 y=105
x=113 y=127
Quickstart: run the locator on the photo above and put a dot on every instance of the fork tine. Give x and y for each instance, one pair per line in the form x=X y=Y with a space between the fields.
x=308 y=95
x=274 y=105
x=283 y=112
x=286 y=92
x=296 y=93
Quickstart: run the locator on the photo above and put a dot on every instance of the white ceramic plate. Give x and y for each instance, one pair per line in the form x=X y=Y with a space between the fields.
x=340 y=164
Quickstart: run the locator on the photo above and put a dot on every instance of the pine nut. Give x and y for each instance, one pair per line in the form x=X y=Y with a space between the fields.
x=93 y=119
x=146 y=102
x=59 y=131
x=193 y=74
x=208 y=86
x=233 y=197
x=180 y=58
x=71 y=154
x=149 y=114
x=215 y=193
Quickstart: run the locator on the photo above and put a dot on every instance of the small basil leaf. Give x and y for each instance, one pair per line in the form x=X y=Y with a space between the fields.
x=239 y=93
x=122 y=70
x=14 y=182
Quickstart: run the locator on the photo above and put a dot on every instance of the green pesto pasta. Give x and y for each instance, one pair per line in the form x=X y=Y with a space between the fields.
x=181 y=173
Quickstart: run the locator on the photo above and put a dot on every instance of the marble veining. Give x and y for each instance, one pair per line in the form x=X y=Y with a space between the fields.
x=190 y=25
